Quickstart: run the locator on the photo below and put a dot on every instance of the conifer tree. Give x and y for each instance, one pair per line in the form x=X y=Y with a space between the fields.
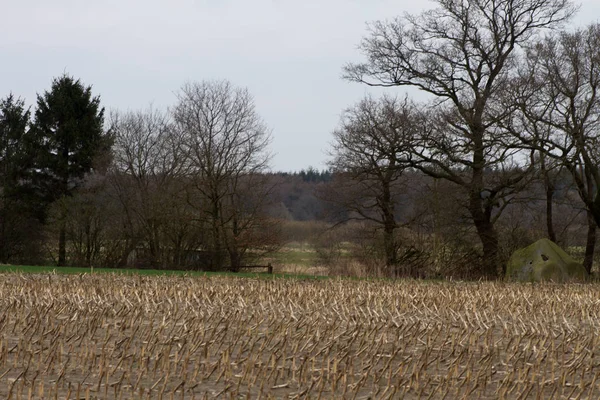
x=14 y=122
x=68 y=137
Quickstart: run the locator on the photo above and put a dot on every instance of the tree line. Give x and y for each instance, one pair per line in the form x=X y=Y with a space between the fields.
x=157 y=189
x=509 y=126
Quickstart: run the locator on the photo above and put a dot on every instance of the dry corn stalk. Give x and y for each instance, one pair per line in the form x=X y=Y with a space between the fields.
x=113 y=336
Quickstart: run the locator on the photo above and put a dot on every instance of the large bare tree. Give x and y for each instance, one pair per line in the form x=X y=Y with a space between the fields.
x=462 y=53
x=558 y=94
x=226 y=144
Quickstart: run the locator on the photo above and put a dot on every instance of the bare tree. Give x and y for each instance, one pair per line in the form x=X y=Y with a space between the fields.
x=558 y=94
x=225 y=142
x=463 y=54
x=148 y=180
x=364 y=157
x=93 y=237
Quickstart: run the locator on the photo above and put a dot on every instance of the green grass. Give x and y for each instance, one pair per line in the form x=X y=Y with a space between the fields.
x=31 y=269
x=300 y=254
x=290 y=256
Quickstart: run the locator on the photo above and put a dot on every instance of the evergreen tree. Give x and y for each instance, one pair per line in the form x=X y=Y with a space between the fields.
x=69 y=136
x=14 y=120
x=14 y=210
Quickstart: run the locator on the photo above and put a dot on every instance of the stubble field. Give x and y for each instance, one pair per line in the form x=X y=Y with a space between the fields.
x=111 y=337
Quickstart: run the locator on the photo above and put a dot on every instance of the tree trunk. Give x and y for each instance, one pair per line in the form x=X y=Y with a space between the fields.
x=391 y=259
x=389 y=228
x=590 y=245
x=3 y=235
x=88 y=245
x=156 y=260
x=217 y=250
x=549 y=209
x=487 y=234
x=62 y=248
x=481 y=208
x=234 y=254
x=489 y=240
x=235 y=259
x=595 y=204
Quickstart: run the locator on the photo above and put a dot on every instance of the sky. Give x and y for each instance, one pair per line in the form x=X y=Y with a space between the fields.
x=288 y=53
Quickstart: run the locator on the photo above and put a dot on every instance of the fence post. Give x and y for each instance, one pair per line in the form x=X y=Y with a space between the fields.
x=270 y=268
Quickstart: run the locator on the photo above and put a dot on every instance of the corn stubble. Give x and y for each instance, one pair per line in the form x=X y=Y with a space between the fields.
x=130 y=337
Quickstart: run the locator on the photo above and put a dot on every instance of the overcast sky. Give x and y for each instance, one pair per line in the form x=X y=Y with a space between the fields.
x=288 y=53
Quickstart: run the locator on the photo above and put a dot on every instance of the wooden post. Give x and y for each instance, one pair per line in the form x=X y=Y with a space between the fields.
x=270 y=268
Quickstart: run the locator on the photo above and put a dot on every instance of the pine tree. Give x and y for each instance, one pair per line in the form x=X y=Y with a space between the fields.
x=14 y=210
x=69 y=137
x=14 y=121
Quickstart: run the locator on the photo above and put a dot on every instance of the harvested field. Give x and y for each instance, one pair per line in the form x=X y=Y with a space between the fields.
x=176 y=337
